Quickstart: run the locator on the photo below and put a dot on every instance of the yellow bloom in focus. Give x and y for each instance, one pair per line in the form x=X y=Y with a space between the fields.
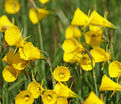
x=62 y=100
x=100 y=55
x=63 y=91
x=93 y=38
x=109 y=85
x=93 y=99
x=61 y=73
x=85 y=61
x=30 y=52
x=72 y=32
x=80 y=18
x=72 y=45
x=13 y=36
x=115 y=69
x=24 y=97
x=12 y=6
x=43 y=1
x=49 y=97
x=10 y=74
x=35 y=88
x=97 y=19
x=15 y=60
x=35 y=16
x=4 y=23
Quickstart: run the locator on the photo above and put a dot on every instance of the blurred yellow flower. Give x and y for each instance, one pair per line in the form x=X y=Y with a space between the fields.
x=85 y=61
x=93 y=99
x=79 y=18
x=35 y=88
x=109 y=85
x=30 y=52
x=24 y=97
x=36 y=15
x=12 y=6
x=10 y=74
x=115 y=69
x=4 y=23
x=72 y=32
x=43 y=1
x=97 y=19
x=63 y=91
x=100 y=55
x=62 y=100
x=15 y=60
x=49 y=97
x=13 y=36
x=61 y=73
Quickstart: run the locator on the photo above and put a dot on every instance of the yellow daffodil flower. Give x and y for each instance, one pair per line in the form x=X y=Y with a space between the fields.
x=4 y=23
x=115 y=69
x=30 y=52
x=62 y=100
x=72 y=32
x=10 y=74
x=49 y=97
x=35 y=16
x=24 y=97
x=97 y=19
x=100 y=55
x=93 y=99
x=12 y=6
x=109 y=85
x=63 y=91
x=13 y=36
x=15 y=60
x=61 y=73
x=43 y=1
x=80 y=18
x=35 y=88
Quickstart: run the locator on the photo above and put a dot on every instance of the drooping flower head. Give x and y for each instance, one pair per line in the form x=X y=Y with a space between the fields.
x=4 y=23
x=61 y=73
x=10 y=74
x=109 y=85
x=35 y=88
x=12 y=6
x=24 y=97
x=93 y=99
x=63 y=91
x=49 y=97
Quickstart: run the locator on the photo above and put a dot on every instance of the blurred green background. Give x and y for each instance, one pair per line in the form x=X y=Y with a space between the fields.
x=52 y=29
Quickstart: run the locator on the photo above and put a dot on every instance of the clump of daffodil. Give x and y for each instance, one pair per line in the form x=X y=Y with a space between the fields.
x=13 y=36
x=24 y=97
x=93 y=99
x=100 y=55
x=115 y=69
x=14 y=60
x=5 y=23
x=94 y=36
x=12 y=6
x=72 y=32
x=43 y=1
x=10 y=74
x=61 y=73
x=49 y=97
x=109 y=85
x=36 y=15
x=63 y=91
x=30 y=52
x=35 y=88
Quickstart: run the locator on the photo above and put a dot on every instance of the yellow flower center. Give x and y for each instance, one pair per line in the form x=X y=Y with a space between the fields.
x=49 y=97
x=26 y=98
x=62 y=75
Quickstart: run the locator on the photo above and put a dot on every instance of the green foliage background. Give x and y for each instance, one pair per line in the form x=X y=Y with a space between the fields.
x=51 y=31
